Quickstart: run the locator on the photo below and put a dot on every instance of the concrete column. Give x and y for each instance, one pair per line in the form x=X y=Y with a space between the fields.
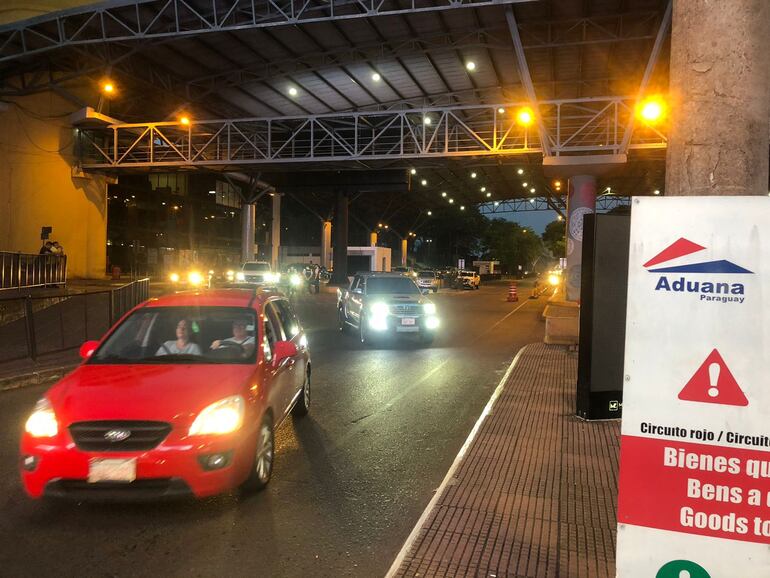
x=326 y=244
x=340 y=274
x=373 y=239
x=720 y=98
x=581 y=200
x=275 y=235
x=248 y=229
x=404 y=248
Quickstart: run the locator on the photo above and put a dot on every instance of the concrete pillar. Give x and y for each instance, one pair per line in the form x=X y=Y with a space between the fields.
x=581 y=200
x=404 y=248
x=326 y=244
x=373 y=239
x=275 y=235
x=720 y=98
x=340 y=273
x=248 y=230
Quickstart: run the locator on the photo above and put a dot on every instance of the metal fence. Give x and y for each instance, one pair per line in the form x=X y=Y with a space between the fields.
x=25 y=270
x=36 y=326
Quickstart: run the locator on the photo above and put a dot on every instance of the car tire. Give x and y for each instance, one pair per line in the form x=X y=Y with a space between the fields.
x=427 y=338
x=264 y=455
x=435 y=290
x=342 y=325
x=302 y=406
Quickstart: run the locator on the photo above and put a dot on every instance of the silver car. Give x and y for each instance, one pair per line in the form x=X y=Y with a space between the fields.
x=428 y=280
x=386 y=304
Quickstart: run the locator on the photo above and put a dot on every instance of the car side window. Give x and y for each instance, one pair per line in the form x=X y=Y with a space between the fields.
x=272 y=332
x=287 y=318
x=356 y=284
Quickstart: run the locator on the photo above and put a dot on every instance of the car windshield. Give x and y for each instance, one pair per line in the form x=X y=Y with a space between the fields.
x=379 y=285
x=427 y=274
x=181 y=335
x=258 y=267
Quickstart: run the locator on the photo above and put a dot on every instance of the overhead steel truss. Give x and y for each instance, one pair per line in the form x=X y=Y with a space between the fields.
x=147 y=19
x=603 y=203
x=572 y=127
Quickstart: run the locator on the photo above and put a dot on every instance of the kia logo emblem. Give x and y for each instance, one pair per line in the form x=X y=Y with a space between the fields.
x=117 y=435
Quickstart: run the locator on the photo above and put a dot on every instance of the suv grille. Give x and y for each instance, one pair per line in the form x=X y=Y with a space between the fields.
x=407 y=309
x=143 y=435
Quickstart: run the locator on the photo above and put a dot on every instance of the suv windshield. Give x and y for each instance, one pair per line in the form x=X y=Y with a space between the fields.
x=427 y=274
x=379 y=285
x=259 y=267
x=182 y=335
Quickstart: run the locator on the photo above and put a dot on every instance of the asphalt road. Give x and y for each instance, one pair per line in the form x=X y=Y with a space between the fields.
x=350 y=480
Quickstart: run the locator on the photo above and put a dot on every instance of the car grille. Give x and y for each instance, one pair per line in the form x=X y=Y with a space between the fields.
x=144 y=435
x=254 y=278
x=138 y=490
x=407 y=309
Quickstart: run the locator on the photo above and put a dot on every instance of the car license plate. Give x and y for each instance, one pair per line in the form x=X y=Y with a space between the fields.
x=111 y=470
x=407 y=321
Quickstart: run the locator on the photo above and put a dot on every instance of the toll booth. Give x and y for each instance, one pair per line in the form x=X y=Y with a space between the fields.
x=603 y=290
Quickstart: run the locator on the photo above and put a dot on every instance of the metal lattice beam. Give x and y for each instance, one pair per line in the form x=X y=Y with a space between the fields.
x=580 y=126
x=147 y=19
x=604 y=203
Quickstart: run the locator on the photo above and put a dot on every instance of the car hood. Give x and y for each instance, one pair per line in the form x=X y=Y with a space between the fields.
x=397 y=298
x=146 y=392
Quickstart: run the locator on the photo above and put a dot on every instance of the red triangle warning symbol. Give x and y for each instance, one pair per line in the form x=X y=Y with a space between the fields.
x=713 y=383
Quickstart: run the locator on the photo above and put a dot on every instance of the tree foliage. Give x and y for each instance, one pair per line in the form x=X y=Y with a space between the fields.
x=554 y=238
x=511 y=244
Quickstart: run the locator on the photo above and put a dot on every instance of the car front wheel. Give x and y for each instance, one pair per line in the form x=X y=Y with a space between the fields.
x=262 y=468
x=364 y=331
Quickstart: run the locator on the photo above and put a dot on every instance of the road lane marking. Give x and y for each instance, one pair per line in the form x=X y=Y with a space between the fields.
x=453 y=468
x=523 y=303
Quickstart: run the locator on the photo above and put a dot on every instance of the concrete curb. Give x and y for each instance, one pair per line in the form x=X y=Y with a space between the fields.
x=35 y=377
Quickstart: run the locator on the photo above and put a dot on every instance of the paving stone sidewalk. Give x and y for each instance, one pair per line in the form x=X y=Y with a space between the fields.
x=535 y=493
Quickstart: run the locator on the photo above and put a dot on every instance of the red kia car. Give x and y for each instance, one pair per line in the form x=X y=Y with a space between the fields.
x=181 y=397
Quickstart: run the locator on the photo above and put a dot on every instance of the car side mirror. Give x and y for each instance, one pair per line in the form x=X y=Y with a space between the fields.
x=283 y=350
x=88 y=348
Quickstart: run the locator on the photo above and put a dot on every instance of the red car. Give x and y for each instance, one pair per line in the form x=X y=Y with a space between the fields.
x=180 y=398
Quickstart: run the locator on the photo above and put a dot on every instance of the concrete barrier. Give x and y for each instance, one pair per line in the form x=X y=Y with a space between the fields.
x=562 y=322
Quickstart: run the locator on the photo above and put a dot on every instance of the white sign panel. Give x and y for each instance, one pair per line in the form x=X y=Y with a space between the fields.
x=694 y=488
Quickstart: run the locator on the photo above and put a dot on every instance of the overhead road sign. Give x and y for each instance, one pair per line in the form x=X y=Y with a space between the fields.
x=694 y=485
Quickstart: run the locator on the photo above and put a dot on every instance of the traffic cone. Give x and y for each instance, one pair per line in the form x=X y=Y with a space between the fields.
x=513 y=294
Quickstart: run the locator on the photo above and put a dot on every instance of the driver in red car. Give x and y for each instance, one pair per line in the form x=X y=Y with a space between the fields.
x=240 y=337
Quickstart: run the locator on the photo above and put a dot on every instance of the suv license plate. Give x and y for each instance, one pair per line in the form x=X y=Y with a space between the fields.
x=407 y=321
x=111 y=470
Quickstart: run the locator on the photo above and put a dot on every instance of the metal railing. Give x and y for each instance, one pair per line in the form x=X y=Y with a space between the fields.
x=25 y=270
x=31 y=327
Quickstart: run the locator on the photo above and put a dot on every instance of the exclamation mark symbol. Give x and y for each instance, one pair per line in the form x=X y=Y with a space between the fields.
x=714 y=369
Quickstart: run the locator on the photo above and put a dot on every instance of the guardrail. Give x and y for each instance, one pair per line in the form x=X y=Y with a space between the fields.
x=25 y=270
x=38 y=326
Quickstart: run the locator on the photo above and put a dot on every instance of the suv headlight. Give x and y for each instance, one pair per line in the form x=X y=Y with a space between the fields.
x=221 y=417
x=430 y=308
x=379 y=309
x=42 y=423
x=239 y=276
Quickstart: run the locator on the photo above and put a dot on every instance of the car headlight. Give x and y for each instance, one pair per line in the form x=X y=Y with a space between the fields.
x=239 y=276
x=273 y=277
x=430 y=308
x=42 y=423
x=174 y=277
x=553 y=279
x=295 y=280
x=194 y=278
x=230 y=275
x=379 y=309
x=221 y=417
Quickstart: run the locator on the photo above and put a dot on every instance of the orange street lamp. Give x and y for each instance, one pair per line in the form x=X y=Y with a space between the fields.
x=525 y=116
x=185 y=120
x=651 y=110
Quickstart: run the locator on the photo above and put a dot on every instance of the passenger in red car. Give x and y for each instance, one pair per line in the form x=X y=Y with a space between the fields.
x=182 y=345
